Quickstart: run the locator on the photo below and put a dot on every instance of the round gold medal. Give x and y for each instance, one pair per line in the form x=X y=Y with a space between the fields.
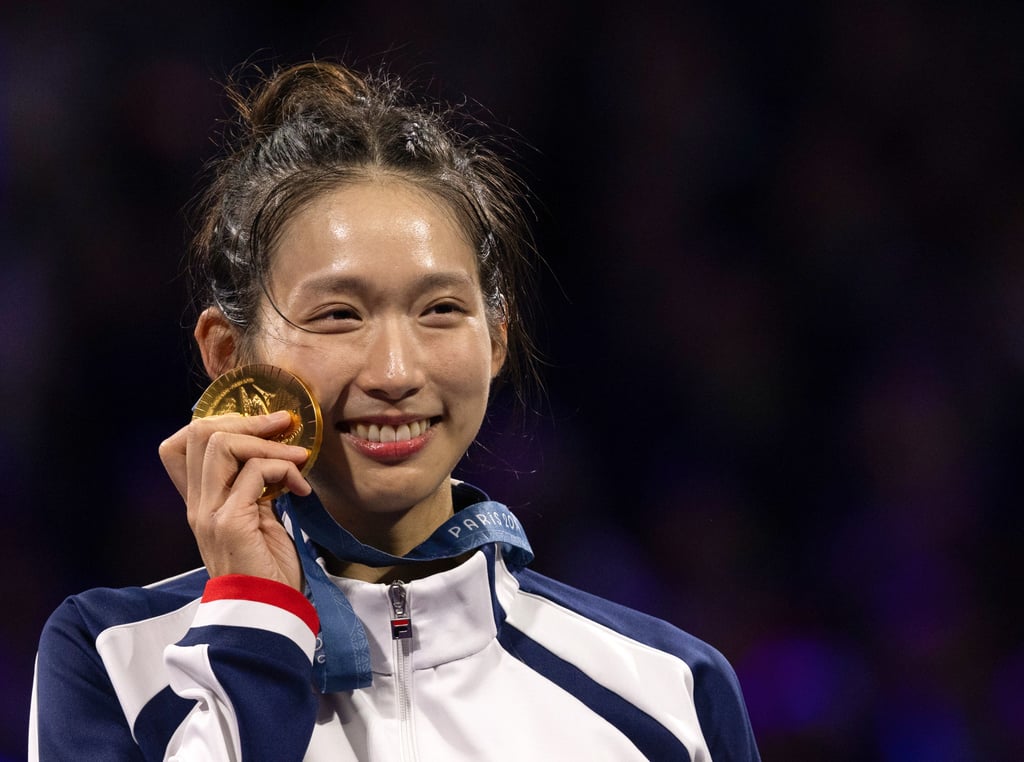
x=263 y=389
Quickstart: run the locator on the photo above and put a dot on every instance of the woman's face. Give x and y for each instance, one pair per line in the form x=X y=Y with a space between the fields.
x=396 y=347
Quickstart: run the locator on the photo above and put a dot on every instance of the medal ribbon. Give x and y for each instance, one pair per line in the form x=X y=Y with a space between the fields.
x=342 y=658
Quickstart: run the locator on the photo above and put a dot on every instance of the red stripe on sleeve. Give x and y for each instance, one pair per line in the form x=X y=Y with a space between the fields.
x=242 y=587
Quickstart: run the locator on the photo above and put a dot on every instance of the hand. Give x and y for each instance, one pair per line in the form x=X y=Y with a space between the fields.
x=221 y=466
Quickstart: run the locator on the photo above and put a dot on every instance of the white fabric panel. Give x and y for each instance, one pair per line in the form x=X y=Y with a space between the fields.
x=210 y=731
x=33 y=719
x=134 y=656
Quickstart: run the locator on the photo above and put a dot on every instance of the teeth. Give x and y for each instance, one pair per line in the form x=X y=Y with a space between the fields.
x=386 y=433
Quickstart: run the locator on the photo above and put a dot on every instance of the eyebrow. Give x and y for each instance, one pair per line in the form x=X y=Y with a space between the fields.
x=334 y=283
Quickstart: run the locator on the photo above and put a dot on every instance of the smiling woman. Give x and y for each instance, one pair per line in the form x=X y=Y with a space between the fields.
x=378 y=609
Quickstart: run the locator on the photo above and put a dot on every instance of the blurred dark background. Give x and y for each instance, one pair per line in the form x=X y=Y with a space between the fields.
x=785 y=330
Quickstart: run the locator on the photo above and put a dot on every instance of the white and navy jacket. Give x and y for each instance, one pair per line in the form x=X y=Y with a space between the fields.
x=500 y=666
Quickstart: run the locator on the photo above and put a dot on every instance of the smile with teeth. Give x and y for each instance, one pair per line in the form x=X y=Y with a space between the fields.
x=387 y=433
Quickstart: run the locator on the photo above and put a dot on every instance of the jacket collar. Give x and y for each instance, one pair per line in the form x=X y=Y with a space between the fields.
x=452 y=614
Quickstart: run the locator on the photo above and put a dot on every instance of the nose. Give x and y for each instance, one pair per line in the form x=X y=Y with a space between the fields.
x=392 y=369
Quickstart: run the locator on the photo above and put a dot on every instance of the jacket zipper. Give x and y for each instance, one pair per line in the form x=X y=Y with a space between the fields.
x=401 y=644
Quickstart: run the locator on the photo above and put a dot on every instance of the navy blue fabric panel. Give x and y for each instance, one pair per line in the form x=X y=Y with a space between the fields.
x=79 y=715
x=717 y=695
x=158 y=720
x=190 y=585
x=490 y=554
x=103 y=607
x=269 y=681
x=646 y=733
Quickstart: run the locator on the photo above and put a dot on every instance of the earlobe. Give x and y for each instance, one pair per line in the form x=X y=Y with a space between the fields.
x=217 y=338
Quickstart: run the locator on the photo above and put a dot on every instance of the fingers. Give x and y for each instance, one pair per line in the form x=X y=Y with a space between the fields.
x=237 y=469
x=235 y=513
x=184 y=452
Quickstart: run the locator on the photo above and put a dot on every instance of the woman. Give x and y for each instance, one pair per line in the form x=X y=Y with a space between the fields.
x=377 y=609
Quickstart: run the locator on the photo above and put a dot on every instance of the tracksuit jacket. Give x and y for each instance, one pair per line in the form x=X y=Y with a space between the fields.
x=500 y=665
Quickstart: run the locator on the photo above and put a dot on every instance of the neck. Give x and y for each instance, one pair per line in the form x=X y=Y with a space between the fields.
x=395 y=531
x=386 y=574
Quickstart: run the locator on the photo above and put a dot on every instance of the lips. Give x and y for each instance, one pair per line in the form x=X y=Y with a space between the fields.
x=390 y=442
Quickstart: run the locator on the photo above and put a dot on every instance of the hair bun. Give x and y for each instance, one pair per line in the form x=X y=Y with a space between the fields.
x=309 y=88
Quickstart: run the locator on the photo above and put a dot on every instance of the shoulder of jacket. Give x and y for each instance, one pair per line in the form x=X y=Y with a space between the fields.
x=100 y=608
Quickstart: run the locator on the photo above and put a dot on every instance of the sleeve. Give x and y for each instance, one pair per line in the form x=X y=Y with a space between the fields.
x=235 y=683
x=75 y=713
x=722 y=711
x=245 y=663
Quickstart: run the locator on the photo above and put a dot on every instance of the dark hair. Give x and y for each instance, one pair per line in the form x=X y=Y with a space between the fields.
x=309 y=128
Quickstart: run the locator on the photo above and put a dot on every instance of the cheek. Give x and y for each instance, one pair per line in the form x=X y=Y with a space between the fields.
x=469 y=374
x=318 y=368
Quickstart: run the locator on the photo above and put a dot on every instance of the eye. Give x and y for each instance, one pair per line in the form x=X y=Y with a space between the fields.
x=336 y=318
x=445 y=308
x=443 y=313
x=341 y=314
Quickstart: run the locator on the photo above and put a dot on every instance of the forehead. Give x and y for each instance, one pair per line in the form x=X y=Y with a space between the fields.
x=374 y=230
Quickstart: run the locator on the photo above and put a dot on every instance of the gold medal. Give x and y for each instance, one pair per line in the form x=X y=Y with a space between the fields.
x=263 y=389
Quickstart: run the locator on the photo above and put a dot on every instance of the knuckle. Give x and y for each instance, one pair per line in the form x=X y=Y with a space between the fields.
x=164 y=450
x=196 y=433
x=173 y=445
x=217 y=440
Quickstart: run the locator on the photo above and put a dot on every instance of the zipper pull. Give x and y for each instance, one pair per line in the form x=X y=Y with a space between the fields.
x=401 y=623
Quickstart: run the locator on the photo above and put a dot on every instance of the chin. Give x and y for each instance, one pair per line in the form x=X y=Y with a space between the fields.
x=390 y=494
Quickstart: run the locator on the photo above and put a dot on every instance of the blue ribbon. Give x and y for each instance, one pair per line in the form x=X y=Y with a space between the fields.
x=342 y=658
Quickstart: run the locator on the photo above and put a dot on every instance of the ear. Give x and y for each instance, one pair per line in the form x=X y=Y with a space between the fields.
x=499 y=348
x=218 y=340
